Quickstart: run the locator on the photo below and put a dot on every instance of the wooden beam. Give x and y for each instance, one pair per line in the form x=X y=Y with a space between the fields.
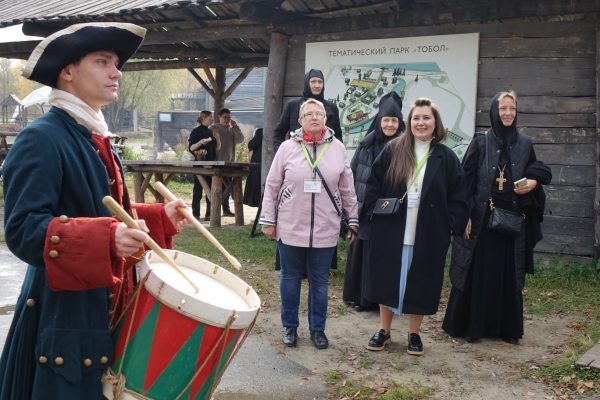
x=470 y=12
x=385 y=7
x=182 y=51
x=202 y=83
x=211 y=78
x=185 y=64
x=207 y=34
x=273 y=97
x=237 y=81
x=597 y=152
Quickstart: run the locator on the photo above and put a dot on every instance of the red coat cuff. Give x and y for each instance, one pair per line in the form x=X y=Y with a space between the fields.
x=160 y=226
x=78 y=256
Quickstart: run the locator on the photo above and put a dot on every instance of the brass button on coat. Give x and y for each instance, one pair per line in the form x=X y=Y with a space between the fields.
x=59 y=361
x=111 y=182
x=104 y=360
x=110 y=296
x=111 y=312
x=30 y=303
x=53 y=254
x=55 y=239
x=87 y=362
x=63 y=218
x=43 y=360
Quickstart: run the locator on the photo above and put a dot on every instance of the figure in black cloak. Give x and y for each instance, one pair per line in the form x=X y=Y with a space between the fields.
x=408 y=250
x=314 y=88
x=252 y=191
x=488 y=269
x=387 y=125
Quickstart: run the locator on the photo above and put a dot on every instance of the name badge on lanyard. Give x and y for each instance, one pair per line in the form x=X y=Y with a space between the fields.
x=413 y=200
x=312 y=185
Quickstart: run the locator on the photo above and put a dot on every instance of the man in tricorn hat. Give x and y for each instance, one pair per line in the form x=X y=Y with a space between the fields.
x=55 y=177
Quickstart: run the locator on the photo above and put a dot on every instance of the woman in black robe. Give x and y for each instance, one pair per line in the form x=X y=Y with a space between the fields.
x=488 y=268
x=387 y=125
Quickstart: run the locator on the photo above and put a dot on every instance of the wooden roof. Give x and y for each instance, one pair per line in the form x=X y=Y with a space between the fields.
x=213 y=32
x=233 y=34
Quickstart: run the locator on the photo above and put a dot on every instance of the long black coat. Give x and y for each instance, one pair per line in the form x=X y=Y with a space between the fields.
x=443 y=211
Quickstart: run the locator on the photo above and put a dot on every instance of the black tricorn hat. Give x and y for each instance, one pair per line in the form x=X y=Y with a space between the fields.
x=69 y=45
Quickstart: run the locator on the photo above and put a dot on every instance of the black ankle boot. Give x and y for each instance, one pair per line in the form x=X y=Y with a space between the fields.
x=290 y=339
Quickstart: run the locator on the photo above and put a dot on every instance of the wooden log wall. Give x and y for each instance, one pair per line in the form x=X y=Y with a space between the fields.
x=552 y=68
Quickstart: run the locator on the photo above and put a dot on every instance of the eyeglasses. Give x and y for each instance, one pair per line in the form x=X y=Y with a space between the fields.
x=314 y=115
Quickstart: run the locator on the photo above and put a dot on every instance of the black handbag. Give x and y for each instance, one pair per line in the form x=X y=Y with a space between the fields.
x=501 y=221
x=504 y=221
x=388 y=207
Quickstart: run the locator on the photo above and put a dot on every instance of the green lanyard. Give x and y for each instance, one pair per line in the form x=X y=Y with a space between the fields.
x=418 y=168
x=308 y=158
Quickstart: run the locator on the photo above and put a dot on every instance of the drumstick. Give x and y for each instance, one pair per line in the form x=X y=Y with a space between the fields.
x=162 y=189
x=130 y=222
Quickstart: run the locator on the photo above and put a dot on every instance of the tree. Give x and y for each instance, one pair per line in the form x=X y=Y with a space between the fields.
x=8 y=78
x=147 y=90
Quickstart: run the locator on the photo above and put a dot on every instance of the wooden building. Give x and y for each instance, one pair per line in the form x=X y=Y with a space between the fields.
x=546 y=50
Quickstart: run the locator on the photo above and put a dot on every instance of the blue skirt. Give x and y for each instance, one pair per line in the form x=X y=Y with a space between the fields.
x=407 y=256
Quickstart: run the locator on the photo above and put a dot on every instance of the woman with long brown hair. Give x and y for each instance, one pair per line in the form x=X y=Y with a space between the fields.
x=408 y=248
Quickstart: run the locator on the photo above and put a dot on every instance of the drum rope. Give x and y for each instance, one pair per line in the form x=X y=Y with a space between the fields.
x=118 y=380
x=238 y=347
x=199 y=370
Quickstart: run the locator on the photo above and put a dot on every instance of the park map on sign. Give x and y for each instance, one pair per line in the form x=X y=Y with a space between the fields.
x=357 y=90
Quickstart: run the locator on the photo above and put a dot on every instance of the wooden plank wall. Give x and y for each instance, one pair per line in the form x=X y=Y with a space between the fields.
x=551 y=67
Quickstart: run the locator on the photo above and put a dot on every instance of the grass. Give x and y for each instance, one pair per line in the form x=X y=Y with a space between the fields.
x=567 y=288
x=391 y=391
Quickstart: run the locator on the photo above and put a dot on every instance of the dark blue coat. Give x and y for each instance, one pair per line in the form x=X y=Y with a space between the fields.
x=59 y=342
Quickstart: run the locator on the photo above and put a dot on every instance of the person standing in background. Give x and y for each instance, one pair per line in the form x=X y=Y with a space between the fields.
x=252 y=192
x=231 y=135
x=203 y=140
x=388 y=125
x=314 y=88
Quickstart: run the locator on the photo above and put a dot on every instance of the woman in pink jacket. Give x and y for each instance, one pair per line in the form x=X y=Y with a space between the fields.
x=301 y=216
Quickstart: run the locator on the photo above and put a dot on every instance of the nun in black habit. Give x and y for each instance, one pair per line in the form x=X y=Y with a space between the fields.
x=314 y=88
x=382 y=131
x=487 y=269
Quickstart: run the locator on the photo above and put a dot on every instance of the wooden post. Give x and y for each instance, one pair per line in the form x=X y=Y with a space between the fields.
x=216 y=199
x=238 y=200
x=273 y=97
x=597 y=198
x=219 y=91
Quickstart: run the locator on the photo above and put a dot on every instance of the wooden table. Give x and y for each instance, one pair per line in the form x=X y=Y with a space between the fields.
x=143 y=170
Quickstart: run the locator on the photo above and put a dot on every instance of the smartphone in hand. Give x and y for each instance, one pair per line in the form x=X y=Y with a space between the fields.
x=521 y=182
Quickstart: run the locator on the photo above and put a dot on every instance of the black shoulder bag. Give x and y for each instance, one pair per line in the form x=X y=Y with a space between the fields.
x=501 y=220
x=345 y=227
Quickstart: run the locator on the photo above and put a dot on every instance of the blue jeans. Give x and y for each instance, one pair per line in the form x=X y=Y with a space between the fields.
x=294 y=261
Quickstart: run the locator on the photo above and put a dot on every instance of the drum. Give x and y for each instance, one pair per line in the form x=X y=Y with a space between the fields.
x=175 y=343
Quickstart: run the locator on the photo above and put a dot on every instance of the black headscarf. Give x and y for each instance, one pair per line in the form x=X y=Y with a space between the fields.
x=507 y=134
x=307 y=93
x=398 y=100
x=388 y=108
